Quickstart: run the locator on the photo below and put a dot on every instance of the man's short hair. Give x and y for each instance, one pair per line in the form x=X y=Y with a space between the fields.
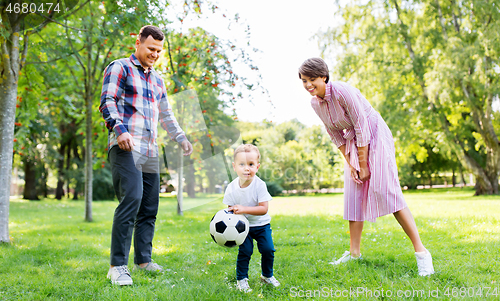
x=247 y=148
x=150 y=30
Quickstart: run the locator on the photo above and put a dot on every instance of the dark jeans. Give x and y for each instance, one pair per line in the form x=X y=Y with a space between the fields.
x=262 y=234
x=138 y=193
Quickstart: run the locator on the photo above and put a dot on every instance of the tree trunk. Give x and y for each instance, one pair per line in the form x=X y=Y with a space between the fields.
x=453 y=177
x=180 y=185
x=190 y=180
x=9 y=69
x=30 y=192
x=43 y=190
x=88 y=160
x=60 y=170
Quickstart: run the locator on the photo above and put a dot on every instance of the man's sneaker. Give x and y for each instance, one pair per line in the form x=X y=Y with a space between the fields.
x=150 y=267
x=345 y=258
x=243 y=286
x=424 y=263
x=270 y=280
x=120 y=275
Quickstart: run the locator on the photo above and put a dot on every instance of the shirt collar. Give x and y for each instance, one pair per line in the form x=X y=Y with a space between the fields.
x=136 y=62
x=328 y=92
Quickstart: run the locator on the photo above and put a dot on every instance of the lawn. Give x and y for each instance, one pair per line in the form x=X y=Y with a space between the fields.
x=56 y=255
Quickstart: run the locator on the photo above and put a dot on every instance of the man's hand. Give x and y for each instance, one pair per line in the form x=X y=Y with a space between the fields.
x=187 y=147
x=125 y=142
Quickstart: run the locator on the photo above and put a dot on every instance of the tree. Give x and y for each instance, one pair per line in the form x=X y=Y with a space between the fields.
x=432 y=64
x=17 y=26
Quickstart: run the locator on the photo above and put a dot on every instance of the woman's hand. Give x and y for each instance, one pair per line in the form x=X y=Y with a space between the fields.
x=364 y=173
x=355 y=175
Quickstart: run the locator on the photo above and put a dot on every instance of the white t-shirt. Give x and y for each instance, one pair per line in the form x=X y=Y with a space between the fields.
x=251 y=196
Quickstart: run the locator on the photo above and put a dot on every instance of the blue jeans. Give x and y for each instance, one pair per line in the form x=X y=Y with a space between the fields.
x=262 y=234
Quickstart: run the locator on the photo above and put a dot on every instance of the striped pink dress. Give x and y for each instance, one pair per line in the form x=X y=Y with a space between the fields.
x=351 y=120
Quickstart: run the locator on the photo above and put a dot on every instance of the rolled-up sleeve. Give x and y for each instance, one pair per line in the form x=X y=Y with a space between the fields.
x=337 y=136
x=112 y=89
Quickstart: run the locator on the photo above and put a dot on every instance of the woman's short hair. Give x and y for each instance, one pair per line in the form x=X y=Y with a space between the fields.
x=314 y=67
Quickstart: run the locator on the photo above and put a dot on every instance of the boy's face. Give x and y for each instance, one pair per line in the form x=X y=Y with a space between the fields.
x=246 y=165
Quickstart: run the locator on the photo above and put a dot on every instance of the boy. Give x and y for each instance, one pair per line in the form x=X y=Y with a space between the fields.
x=248 y=195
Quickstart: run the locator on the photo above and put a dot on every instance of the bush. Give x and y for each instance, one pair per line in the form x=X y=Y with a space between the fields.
x=102 y=185
x=274 y=188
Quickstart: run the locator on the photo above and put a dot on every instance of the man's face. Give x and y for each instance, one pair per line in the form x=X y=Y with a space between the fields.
x=148 y=51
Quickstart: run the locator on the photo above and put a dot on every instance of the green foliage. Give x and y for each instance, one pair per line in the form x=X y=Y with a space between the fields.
x=102 y=185
x=294 y=156
x=55 y=255
x=274 y=188
x=430 y=68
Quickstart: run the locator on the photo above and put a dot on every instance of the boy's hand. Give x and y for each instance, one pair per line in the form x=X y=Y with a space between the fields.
x=237 y=209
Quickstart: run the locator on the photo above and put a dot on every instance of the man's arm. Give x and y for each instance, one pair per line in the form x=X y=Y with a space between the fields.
x=112 y=89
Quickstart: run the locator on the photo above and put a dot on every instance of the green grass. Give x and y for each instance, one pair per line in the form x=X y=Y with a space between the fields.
x=56 y=255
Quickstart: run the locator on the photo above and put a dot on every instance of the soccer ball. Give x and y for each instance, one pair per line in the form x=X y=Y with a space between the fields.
x=228 y=229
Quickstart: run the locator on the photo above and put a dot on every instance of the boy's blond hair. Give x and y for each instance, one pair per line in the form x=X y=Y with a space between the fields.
x=246 y=148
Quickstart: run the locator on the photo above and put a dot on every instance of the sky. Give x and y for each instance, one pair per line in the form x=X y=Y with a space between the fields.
x=282 y=31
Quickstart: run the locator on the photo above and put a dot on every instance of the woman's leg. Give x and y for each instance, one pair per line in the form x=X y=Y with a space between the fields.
x=355 y=229
x=405 y=219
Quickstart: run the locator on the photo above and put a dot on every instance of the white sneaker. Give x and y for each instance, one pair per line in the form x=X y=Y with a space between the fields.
x=345 y=258
x=119 y=275
x=150 y=267
x=424 y=263
x=243 y=286
x=270 y=280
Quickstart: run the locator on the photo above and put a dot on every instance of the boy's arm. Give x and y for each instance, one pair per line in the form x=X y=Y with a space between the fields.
x=261 y=209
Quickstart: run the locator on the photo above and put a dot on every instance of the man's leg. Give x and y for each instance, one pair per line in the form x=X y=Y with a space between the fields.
x=127 y=182
x=146 y=217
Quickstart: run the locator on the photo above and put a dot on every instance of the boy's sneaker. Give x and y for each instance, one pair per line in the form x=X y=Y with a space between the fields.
x=120 y=275
x=345 y=258
x=424 y=263
x=270 y=280
x=243 y=286
x=150 y=267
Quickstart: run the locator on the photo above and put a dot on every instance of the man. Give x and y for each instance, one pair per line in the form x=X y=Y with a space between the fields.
x=133 y=101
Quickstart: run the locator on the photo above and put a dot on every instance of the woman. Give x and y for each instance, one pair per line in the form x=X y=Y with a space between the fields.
x=371 y=184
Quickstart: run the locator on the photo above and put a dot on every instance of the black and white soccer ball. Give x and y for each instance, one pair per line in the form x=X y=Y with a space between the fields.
x=228 y=229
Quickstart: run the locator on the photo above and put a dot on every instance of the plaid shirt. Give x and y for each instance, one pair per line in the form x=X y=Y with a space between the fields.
x=134 y=101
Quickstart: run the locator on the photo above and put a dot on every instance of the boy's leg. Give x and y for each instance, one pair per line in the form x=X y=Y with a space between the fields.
x=244 y=254
x=127 y=182
x=263 y=236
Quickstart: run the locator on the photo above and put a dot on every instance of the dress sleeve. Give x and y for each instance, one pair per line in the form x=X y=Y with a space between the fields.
x=337 y=136
x=350 y=100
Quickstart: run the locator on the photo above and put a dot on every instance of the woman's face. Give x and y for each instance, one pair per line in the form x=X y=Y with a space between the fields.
x=316 y=86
